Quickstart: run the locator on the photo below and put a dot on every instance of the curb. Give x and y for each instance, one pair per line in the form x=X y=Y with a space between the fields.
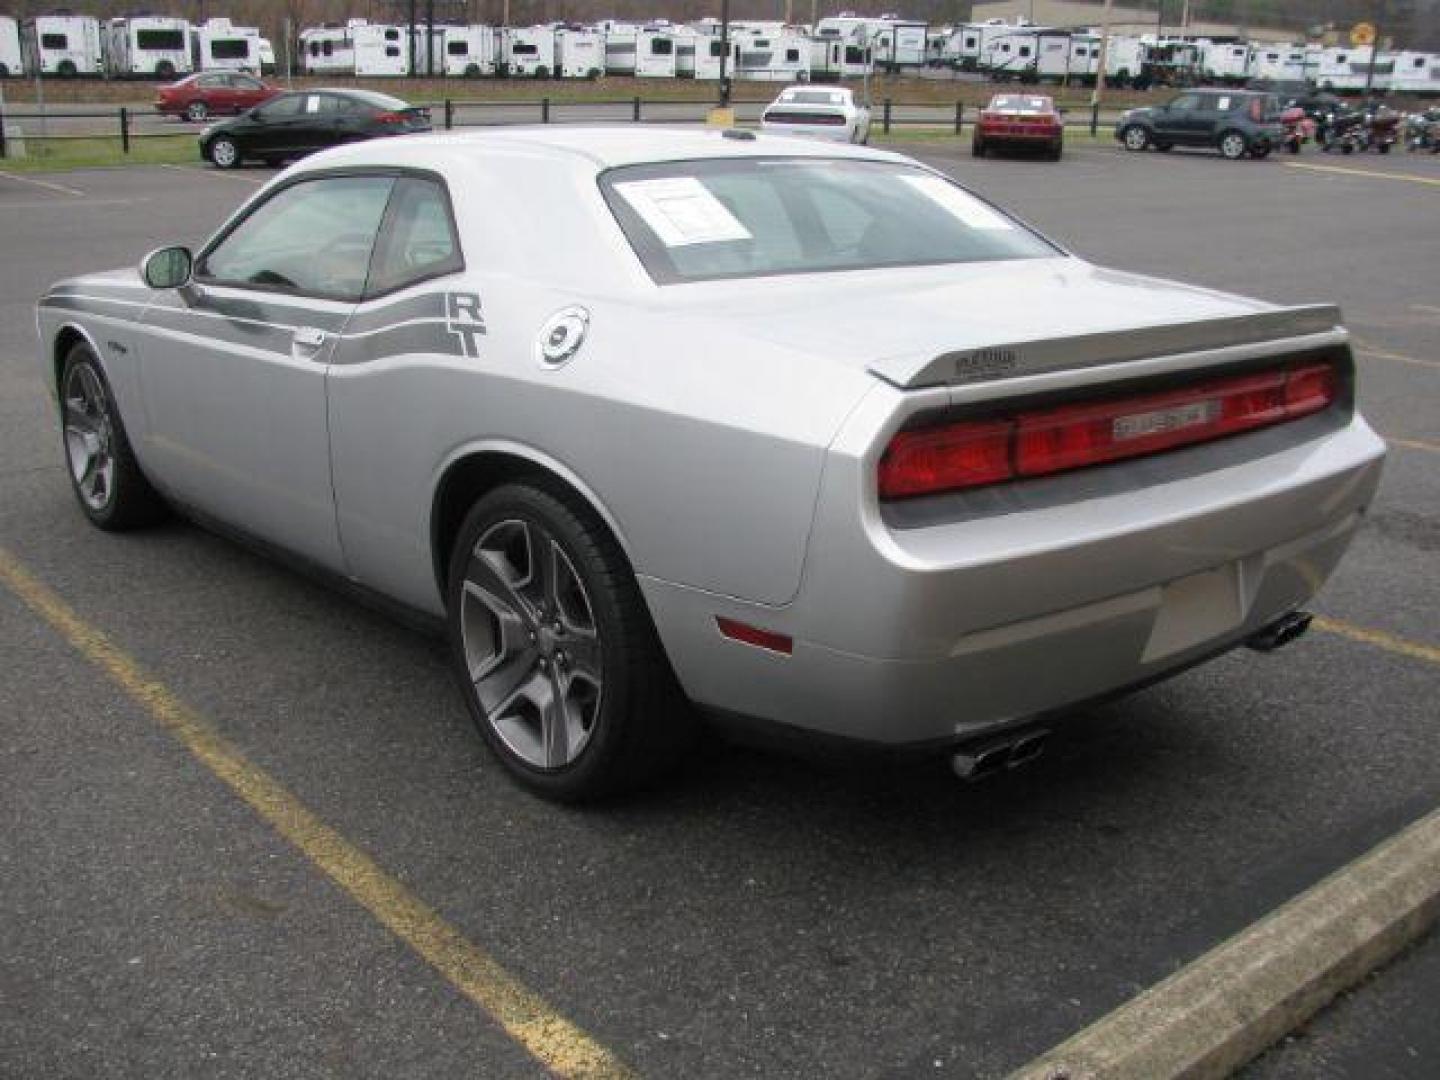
x=1223 y=1009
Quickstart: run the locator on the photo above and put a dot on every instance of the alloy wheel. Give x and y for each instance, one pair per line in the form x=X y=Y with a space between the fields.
x=531 y=644
x=89 y=437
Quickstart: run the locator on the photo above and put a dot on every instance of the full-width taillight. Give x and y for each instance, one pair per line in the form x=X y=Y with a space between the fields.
x=1038 y=442
x=390 y=118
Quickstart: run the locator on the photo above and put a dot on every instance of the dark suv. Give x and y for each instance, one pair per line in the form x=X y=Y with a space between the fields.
x=1235 y=122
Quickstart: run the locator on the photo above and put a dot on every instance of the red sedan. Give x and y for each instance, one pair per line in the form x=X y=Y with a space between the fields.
x=212 y=93
x=1013 y=121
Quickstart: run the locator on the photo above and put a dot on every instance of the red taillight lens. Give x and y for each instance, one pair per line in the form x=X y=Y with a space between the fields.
x=390 y=118
x=1043 y=441
x=940 y=459
x=753 y=635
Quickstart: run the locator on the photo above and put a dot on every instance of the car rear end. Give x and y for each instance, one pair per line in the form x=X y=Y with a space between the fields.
x=813 y=115
x=407 y=120
x=991 y=546
x=1001 y=125
x=171 y=100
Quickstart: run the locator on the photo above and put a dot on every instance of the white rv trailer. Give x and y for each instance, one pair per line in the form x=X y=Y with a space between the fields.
x=1125 y=59
x=619 y=46
x=697 y=53
x=1084 y=61
x=267 y=56
x=833 y=57
x=968 y=41
x=530 y=52
x=217 y=45
x=1226 y=63
x=1349 y=68
x=427 y=64
x=62 y=45
x=935 y=41
x=147 y=46
x=898 y=44
x=10 y=61
x=655 y=53
x=471 y=51
x=765 y=56
x=381 y=49
x=329 y=50
x=1013 y=54
x=1416 y=73
x=579 y=53
x=1279 y=62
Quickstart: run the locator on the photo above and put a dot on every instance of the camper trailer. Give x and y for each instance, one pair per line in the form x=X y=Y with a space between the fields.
x=898 y=44
x=579 y=52
x=147 y=47
x=381 y=49
x=64 y=45
x=530 y=52
x=1125 y=59
x=329 y=50
x=1349 y=69
x=427 y=49
x=10 y=62
x=217 y=45
x=1084 y=61
x=766 y=56
x=1416 y=73
x=655 y=53
x=1280 y=63
x=833 y=57
x=1015 y=54
x=697 y=53
x=471 y=51
x=1224 y=63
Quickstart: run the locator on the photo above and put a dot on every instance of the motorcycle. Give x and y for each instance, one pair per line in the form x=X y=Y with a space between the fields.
x=1342 y=130
x=1382 y=129
x=1422 y=131
x=1299 y=128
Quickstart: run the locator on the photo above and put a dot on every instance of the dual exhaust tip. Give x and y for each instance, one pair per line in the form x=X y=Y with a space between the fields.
x=982 y=759
x=988 y=758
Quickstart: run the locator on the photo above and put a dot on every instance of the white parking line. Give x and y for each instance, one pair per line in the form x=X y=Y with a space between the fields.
x=215 y=172
x=46 y=184
x=88 y=204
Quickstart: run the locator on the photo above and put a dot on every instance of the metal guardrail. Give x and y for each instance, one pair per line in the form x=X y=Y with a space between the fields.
x=450 y=115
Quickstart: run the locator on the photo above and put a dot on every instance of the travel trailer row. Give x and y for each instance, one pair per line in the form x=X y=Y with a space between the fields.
x=142 y=46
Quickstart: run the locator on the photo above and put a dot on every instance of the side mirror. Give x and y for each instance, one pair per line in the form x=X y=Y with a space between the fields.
x=167 y=268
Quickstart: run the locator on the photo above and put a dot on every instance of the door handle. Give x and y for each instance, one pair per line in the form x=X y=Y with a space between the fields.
x=309 y=339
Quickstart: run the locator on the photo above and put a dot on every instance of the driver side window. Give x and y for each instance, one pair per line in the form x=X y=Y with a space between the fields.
x=314 y=238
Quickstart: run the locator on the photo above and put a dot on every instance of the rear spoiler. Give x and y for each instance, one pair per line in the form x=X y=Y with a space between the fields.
x=1013 y=359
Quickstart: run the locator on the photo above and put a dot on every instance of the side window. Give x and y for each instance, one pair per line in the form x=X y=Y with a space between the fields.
x=1185 y=103
x=420 y=240
x=313 y=238
x=281 y=108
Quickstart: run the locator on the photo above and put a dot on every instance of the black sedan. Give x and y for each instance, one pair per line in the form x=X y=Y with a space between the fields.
x=302 y=122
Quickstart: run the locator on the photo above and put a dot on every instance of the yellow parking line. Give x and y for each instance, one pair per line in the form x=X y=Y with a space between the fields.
x=1372 y=173
x=1380 y=639
x=1415 y=444
x=553 y=1040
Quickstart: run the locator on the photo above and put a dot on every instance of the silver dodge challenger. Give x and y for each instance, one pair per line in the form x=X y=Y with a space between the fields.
x=665 y=425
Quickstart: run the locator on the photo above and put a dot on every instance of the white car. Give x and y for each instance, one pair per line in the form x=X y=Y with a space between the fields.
x=828 y=112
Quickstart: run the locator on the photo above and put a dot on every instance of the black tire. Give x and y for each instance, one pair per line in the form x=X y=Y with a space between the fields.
x=1293 y=146
x=273 y=162
x=88 y=412
x=1164 y=147
x=640 y=725
x=1233 y=145
x=1135 y=138
x=1057 y=151
x=1260 y=151
x=197 y=112
x=66 y=69
x=165 y=70
x=472 y=71
x=4 y=71
x=1384 y=148
x=977 y=147
x=224 y=152
x=542 y=72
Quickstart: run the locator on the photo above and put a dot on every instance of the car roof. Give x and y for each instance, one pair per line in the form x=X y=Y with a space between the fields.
x=596 y=148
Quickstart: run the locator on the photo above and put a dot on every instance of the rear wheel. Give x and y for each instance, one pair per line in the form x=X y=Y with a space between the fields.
x=977 y=147
x=1135 y=137
x=225 y=153
x=1260 y=151
x=104 y=474
x=66 y=69
x=165 y=70
x=1233 y=146
x=197 y=112
x=1057 y=151
x=557 y=658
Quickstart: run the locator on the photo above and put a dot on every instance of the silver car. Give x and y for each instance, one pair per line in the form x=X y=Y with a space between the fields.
x=671 y=424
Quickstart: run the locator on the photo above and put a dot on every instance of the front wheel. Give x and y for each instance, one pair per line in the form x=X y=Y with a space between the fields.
x=104 y=474
x=1232 y=146
x=225 y=153
x=197 y=112
x=1135 y=137
x=557 y=658
x=1384 y=148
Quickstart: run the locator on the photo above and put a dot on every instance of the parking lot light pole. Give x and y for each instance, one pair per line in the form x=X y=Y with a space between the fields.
x=724 y=52
x=1104 y=59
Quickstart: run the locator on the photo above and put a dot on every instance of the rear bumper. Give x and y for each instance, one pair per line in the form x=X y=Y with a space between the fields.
x=931 y=635
x=1004 y=134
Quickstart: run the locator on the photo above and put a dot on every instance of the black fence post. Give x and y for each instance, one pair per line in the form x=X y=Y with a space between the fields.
x=1094 y=118
x=3 y=151
x=885 y=123
x=545 y=110
x=124 y=130
x=635 y=112
x=449 y=114
x=959 y=116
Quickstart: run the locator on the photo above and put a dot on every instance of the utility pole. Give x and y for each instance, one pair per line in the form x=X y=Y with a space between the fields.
x=1104 y=55
x=724 y=52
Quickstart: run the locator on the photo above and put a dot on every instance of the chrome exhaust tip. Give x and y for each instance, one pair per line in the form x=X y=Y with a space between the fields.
x=984 y=759
x=1281 y=632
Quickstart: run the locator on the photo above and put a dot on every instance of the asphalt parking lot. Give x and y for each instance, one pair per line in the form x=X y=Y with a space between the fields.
x=759 y=916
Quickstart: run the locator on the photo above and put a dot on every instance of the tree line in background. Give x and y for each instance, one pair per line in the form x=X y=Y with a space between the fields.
x=1412 y=24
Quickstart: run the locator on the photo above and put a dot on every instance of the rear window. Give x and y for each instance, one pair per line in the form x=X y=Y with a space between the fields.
x=758 y=217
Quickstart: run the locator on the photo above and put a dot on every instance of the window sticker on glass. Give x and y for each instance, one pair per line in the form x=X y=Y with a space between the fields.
x=967 y=208
x=680 y=210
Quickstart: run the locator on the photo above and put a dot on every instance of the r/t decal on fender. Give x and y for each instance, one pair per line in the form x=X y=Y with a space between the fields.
x=465 y=320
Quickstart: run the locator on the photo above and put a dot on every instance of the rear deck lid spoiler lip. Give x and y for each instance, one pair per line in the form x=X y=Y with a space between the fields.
x=1012 y=359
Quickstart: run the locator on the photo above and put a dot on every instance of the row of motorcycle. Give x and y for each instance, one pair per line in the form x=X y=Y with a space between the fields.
x=1338 y=128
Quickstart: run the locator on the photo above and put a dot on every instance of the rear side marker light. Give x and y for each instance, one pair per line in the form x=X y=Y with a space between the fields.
x=753 y=635
x=1040 y=442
